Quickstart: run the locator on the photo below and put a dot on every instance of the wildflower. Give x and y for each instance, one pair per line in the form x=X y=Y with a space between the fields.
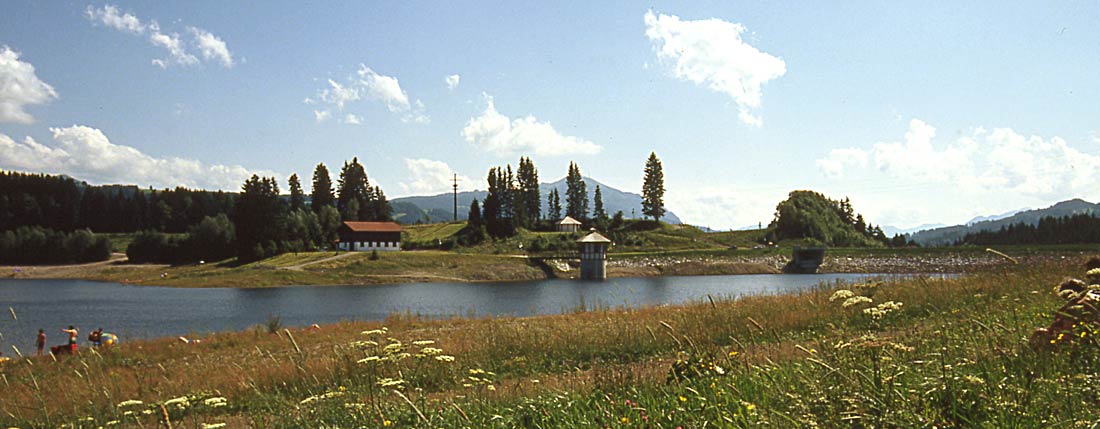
x=855 y=300
x=392 y=347
x=683 y=399
x=841 y=294
x=973 y=379
x=182 y=401
x=421 y=343
x=213 y=425
x=430 y=351
x=368 y=359
x=387 y=423
x=214 y=402
x=111 y=423
x=445 y=358
x=389 y=382
x=129 y=402
x=624 y=420
x=381 y=331
x=733 y=353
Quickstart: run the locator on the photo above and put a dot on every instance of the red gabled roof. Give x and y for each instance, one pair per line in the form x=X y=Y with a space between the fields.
x=373 y=226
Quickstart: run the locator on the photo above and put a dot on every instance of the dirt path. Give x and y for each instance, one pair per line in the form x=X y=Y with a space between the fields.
x=331 y=258
x=72 y=271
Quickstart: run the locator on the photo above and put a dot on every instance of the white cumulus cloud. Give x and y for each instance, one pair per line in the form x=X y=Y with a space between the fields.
x=20 y=87
x=997 y=160
x=431 y=177
x=351 y=119
x=110 y=16
x=383 y=88
x=452 y=81
x=321 y=115
x=179 y=52
x=710 y=53
x=86 y=153
x=501 y=135
x=211 y=46
x=368 y=84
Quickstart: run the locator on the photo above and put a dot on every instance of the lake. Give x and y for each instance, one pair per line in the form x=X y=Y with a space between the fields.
x=149 y=311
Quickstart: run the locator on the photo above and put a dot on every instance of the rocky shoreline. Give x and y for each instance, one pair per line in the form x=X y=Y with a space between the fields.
x=770 y=264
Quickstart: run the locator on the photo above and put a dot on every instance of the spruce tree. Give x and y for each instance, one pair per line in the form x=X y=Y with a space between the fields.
x=353 y=185
x=576 y=196
x=297 y=197
x=554 y=205
x=653 y=189
x=474 y=217
x=321 y=195
x=597 y=211
x=529 y=204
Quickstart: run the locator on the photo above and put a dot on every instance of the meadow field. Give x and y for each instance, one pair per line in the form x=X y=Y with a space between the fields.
x=913 y=352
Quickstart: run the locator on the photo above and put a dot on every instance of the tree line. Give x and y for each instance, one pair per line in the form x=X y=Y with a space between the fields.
x=182 y=225
x=264 y=223
x=63 y=204
x=813 y=216
x=1074 y=229
x=514 y=201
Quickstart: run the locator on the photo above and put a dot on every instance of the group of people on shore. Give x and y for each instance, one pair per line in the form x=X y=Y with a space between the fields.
x=97 y=338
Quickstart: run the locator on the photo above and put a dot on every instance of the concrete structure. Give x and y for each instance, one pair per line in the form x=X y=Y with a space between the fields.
x=594 y=256
x=368 y=236
x=569 y=225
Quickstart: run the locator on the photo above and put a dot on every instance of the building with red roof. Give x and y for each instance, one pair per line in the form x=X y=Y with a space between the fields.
x=367 y=236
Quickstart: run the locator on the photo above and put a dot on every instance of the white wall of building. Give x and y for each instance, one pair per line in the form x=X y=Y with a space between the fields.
x=367 y=246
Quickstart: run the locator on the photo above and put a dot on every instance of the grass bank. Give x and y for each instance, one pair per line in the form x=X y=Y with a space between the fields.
x=926 y=353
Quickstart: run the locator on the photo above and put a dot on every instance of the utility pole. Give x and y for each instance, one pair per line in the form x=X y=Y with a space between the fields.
x=455 y=180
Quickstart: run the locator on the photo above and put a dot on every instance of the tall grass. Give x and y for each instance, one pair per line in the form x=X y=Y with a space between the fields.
x=954 y=355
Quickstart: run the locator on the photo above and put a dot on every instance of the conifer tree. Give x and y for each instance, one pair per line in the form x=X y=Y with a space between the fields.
x=297 y=197
x=598 y=212
x=321 y=195
x=653 y=189
x=576 y=196
x=554 y=205
x=474 y=217
x=529 y=204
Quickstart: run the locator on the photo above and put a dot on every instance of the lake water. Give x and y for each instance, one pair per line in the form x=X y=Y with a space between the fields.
x=149 y=311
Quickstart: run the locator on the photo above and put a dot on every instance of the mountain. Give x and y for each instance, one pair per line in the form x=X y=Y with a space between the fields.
x=947 y=235
x=440 y=208
x=891 y=231
x=993 y=217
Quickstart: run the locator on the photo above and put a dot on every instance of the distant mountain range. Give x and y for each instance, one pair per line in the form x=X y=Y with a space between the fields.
x=440 y=208
x=949 y=234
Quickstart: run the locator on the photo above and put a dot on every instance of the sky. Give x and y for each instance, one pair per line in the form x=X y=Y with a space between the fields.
x=919 y=113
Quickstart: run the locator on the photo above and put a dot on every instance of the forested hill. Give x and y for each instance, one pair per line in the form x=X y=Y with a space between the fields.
x=951 y=234
x=813 y=217
x=64 y=204
x=439 y=208
x=1075 y=229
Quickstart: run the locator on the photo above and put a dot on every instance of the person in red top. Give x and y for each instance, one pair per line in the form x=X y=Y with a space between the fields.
x=40 y=343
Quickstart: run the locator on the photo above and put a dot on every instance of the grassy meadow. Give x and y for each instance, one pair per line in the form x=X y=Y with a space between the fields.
x=899 y=353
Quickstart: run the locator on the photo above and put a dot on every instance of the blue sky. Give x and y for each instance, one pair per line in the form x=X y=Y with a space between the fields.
x=919 y=113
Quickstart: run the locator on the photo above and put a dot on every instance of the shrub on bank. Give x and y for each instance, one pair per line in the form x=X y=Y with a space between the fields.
x=38 y=245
